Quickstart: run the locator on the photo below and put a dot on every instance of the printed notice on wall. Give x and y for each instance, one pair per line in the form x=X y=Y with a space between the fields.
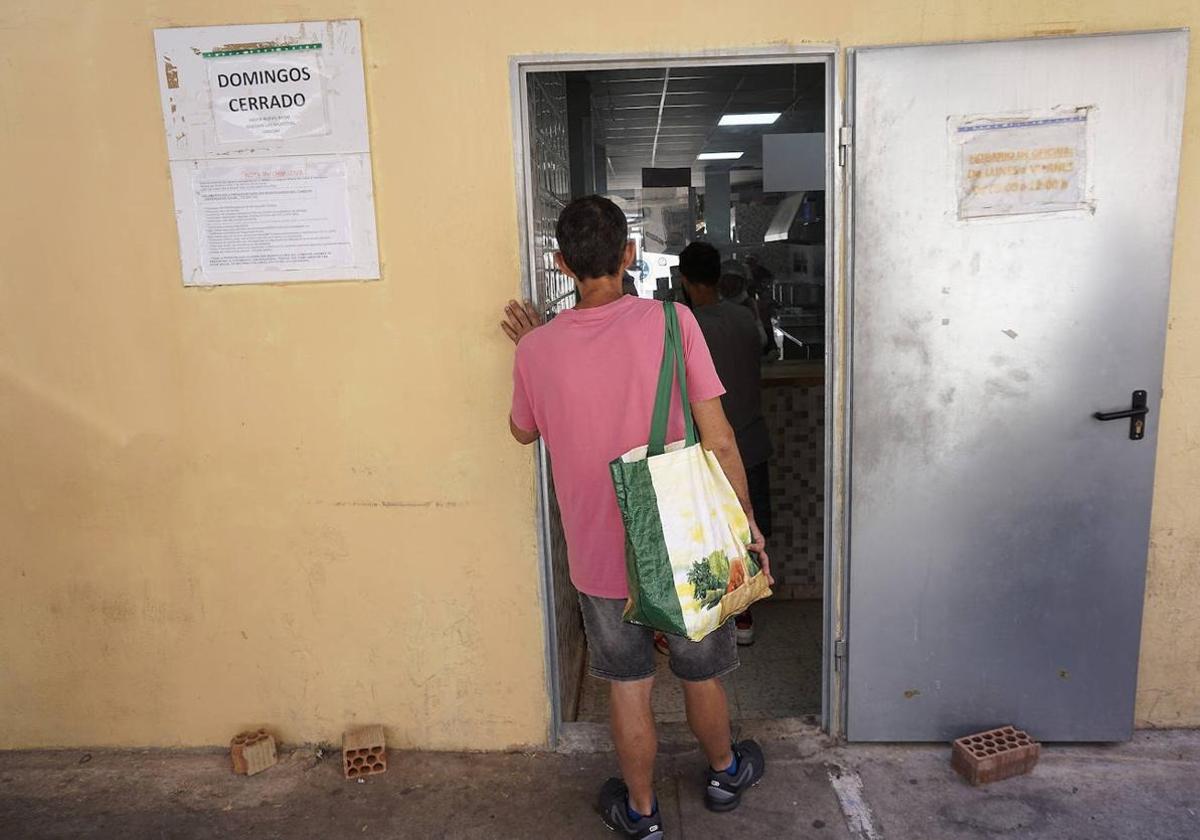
x=266 y=130
x=272 y=215
x=1018 y=165
x=268 y=92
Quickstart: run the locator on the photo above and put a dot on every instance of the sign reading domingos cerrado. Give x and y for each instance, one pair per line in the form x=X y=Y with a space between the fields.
x=269 y=92
x=266 y=131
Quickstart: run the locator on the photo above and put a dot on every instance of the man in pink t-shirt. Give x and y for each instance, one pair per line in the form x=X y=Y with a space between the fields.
x=585 y=383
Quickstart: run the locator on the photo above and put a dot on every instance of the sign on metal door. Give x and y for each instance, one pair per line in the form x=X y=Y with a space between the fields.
x=1020 y=164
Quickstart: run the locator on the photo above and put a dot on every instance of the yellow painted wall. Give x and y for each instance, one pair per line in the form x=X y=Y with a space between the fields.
x=299 y=505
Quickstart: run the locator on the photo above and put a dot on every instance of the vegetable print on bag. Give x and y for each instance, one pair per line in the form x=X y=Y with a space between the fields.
x=685 y=531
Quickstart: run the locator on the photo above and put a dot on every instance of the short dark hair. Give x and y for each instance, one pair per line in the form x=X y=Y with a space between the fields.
x=701 y=263
x=732 y=285
x=592 y=234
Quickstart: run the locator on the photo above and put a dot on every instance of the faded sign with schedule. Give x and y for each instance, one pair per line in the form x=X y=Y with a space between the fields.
x=1013 y=165
x=272 y=214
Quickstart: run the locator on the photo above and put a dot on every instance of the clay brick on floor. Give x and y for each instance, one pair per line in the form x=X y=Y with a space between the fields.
x=364 y=752
x=995 y=754
x=252 y=752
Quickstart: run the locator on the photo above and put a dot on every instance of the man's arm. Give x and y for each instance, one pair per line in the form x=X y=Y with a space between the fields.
x=520 y=319
x=716 y=435
x=522 y=436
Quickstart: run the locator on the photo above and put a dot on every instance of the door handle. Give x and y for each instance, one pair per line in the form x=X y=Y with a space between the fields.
x=1136 y=413
x=1121 y=415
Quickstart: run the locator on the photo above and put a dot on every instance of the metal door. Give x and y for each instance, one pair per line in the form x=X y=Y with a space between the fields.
x=998 y=531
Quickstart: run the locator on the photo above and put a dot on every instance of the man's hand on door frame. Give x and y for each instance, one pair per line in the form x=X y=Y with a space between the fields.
x=520 y=319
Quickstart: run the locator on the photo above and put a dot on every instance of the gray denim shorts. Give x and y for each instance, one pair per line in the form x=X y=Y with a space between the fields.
x=624 y=652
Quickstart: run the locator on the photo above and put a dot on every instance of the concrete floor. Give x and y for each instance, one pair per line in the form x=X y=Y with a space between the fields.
x=1149 y=788
x=780 y=674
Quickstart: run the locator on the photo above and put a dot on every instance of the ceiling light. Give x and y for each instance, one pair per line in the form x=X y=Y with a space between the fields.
x=719 y=155
x=750 y=119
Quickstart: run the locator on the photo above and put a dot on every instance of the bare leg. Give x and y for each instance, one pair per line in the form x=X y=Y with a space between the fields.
x=708 y=717
x=635 y=739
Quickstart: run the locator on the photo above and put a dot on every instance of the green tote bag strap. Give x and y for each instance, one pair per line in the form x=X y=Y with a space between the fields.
x=672 y=365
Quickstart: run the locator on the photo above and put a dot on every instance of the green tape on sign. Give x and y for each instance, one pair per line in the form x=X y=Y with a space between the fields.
x=260 y=50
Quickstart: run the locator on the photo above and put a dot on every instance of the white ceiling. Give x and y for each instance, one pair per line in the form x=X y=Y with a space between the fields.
x=667 y=117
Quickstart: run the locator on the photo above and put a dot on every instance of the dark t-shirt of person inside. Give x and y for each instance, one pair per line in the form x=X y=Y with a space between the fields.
x=733 y=340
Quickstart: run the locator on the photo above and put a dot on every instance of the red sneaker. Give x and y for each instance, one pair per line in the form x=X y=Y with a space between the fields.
x=660 y=644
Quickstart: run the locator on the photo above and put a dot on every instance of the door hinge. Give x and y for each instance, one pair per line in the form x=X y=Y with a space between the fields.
x=845 y=139
x=839 y=655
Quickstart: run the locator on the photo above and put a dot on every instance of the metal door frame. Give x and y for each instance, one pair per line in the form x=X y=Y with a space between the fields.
x=836 y=335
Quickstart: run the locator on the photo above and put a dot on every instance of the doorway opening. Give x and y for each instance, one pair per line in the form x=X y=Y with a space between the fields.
x=735 y=151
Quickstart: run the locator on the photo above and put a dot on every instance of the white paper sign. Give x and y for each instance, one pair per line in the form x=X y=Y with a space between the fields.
x=262 y=215
x=275 y=95
x=1016 y=165
x=266 y=131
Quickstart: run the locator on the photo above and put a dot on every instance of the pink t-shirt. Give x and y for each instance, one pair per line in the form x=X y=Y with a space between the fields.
x=586 y=382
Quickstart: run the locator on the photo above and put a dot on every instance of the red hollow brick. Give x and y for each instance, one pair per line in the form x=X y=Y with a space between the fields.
x=252 y=752
x=995 y=754
x=364 y=752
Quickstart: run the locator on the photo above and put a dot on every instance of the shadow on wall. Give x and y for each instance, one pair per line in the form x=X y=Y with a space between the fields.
x=78 y=603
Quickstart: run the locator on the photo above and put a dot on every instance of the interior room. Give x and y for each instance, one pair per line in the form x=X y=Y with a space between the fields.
x=735 y=156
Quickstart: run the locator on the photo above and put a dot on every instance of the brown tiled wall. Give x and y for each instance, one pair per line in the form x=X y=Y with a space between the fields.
x=796 y=418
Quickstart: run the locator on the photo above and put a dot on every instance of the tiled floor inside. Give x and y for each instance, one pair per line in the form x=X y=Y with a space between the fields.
x=780 y=674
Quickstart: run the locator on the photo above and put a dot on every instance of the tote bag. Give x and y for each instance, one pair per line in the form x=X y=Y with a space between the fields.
x=685 y=532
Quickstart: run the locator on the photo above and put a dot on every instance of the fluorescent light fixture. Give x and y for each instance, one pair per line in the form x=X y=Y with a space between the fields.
x=719 y=155
x=750 y=119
